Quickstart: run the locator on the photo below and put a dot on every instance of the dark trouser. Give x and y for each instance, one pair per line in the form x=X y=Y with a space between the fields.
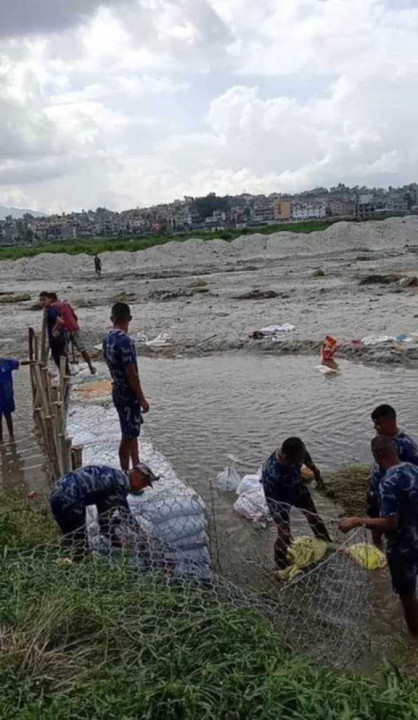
x=301 y=499
x=58 y=349
x=72 y=523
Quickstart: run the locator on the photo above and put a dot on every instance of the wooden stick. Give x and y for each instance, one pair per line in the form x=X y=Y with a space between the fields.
x=77 y=456
x=31 y=337
x=44 y=340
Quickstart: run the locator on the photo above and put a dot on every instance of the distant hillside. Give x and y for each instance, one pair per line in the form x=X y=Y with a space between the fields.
x=17 y=212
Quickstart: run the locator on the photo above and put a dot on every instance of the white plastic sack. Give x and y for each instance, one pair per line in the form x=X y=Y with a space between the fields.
x=228 y=480
x=248 y=482
x=376 y=339
x=252 y=505
x=177 y=528
x=274 y=329
x=166 y=505
x=160 y=341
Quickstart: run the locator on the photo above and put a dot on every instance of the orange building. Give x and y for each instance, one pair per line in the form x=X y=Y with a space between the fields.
x=282 y=210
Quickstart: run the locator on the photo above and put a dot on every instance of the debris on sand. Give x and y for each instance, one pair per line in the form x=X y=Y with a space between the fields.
x=410 y=281
x=125 y=297
x=379 y=279
x=15 y=298
x=162 y=340
x=168 y=295
x=257 y=294
x=272 y=332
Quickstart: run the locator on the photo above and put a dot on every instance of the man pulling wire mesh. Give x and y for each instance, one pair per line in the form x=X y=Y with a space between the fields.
x=284 y=488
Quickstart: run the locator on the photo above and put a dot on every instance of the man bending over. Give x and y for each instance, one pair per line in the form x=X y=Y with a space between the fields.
x=99 y=485
x=284 y=488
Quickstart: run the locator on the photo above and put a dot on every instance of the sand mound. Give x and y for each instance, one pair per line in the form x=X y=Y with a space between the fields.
x=391 y=234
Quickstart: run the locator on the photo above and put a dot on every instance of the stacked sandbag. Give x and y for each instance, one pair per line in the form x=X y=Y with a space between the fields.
x=178 y=520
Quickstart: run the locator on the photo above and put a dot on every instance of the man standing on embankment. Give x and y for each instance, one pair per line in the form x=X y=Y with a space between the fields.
x=129 y=400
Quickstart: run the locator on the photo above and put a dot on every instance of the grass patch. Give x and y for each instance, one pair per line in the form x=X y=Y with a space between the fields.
x=96 y=640
x=348 y=486
x=24 y=523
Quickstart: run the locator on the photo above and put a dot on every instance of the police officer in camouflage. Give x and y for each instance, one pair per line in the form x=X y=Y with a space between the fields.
x=397 y=519
x=100 y=485
x=120 y=355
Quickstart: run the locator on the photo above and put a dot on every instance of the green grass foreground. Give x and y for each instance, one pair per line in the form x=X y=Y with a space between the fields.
x=100 y=245
x=97 y=641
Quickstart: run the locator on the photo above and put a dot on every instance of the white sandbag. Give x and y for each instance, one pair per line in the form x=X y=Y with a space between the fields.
x=248 y=482
x=174 y=529
x=252 y=505
x=167 y=505
x=228 y=480
x=198 y=540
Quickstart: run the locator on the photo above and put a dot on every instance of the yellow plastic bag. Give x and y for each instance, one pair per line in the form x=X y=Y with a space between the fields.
x=302 y=552
x=367 y=556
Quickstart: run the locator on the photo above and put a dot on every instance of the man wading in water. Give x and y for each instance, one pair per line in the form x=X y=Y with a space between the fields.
x=284 y=488
x=396 y=518
x=129 y=400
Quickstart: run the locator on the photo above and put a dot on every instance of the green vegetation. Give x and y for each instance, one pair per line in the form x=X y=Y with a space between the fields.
x=97 y=641
x=24 y=523
x=100 y=245
x=348 y=486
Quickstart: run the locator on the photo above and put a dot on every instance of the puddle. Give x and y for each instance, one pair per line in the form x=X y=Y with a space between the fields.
x=22 y=464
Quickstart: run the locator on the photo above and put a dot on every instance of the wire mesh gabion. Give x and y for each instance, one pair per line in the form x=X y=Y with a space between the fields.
x=323 y=612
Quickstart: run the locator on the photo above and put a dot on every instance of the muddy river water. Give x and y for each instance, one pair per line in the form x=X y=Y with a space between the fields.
x=203 y=409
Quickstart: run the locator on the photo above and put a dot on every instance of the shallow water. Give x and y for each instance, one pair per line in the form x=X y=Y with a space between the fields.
x=203 y=409
x=22 y=465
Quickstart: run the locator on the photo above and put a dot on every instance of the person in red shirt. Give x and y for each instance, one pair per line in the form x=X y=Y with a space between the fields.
x=71 y=326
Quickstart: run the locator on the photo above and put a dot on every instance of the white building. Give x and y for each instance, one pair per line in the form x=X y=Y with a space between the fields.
x=308 y=210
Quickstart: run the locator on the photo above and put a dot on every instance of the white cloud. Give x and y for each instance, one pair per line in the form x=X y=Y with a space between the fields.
x=110 y=102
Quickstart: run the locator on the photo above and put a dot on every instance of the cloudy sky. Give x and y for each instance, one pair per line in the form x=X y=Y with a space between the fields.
x=132 y=102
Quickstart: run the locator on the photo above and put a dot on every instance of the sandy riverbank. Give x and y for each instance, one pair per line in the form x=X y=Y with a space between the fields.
x=315 y=283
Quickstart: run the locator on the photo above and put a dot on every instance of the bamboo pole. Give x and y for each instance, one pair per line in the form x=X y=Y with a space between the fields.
x=44 y=340
x=77 y=456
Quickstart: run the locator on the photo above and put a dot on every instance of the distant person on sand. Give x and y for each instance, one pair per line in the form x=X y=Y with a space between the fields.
x=284 y=488
x=100 y=485
x=56 y=333
x=98 y=266
x=71 y=326
x=129 y=400
x=397 y=519
x=7 y=401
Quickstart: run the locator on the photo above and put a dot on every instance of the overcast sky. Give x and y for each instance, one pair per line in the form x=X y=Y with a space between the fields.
x=128 y=103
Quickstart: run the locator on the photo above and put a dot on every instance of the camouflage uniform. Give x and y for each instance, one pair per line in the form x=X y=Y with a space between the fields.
x=103 y=486
x=119 y=351
x=408 y=453
x=284 y=488
x=398 y=496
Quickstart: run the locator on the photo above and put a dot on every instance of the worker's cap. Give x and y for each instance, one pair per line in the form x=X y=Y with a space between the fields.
x=146 y=470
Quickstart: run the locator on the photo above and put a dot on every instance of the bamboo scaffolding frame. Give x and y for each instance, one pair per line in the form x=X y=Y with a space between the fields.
x=50 y=404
